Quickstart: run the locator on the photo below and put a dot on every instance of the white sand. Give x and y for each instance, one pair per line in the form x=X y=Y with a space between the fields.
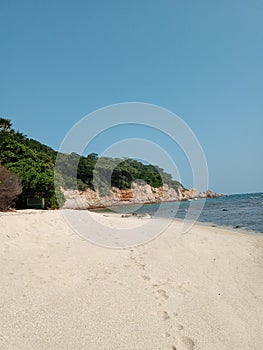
x=202 y=290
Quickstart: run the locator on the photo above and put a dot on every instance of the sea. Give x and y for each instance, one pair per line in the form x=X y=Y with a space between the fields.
x=244 y=211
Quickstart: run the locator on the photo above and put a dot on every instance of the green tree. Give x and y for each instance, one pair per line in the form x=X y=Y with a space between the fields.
x=33 y=163
x=36 y=163
x=5 y=124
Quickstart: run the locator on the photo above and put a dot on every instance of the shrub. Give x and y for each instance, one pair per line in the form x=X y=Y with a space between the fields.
x=10 y=188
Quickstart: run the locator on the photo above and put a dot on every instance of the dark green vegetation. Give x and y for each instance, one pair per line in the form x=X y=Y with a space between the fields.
x=105 y=172
x=34 y=163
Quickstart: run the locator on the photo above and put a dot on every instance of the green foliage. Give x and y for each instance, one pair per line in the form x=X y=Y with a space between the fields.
x=34 y=163
x=5 y=124
x=105 y=172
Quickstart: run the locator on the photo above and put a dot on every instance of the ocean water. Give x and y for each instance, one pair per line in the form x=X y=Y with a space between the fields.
x=237 y=211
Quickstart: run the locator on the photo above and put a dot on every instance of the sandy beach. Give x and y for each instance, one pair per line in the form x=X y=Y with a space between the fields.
x=200 y=291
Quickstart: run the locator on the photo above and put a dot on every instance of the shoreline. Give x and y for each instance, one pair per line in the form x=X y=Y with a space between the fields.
x=100 y=211
x=240 y=229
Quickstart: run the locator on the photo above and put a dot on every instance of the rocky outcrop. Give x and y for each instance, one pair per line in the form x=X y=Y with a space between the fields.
x=138 y=194
x=195 y=194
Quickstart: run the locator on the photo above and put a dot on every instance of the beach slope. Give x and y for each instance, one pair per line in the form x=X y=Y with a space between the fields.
x=202 y=290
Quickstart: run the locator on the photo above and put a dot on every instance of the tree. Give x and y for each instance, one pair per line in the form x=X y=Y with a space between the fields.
x=35 y=164
x=5 y=124
x=10 y=188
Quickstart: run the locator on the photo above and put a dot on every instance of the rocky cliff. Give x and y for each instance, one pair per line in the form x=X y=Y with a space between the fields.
x=136 y=195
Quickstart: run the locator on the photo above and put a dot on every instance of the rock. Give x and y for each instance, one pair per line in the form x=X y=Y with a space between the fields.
x=210 y=194
x=142 y=215
x=138 y=193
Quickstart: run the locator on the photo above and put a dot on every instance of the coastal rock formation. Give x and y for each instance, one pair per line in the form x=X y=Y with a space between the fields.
x=138 y=194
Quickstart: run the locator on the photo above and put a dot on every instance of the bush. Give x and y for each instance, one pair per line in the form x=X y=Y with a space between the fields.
x=10 y=188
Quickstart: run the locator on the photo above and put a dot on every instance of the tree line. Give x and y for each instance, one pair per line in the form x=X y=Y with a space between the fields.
x=34 y=164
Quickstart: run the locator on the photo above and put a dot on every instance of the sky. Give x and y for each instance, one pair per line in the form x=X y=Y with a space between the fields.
x=202 y=60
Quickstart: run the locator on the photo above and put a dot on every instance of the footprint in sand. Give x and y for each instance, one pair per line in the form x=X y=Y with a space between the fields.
x=161 y=294
x=146 y=278
x=163 y=315
x=185 y=343
x=179 y=327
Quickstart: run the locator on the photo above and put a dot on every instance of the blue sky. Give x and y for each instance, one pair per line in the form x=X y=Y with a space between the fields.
x=61 y=60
